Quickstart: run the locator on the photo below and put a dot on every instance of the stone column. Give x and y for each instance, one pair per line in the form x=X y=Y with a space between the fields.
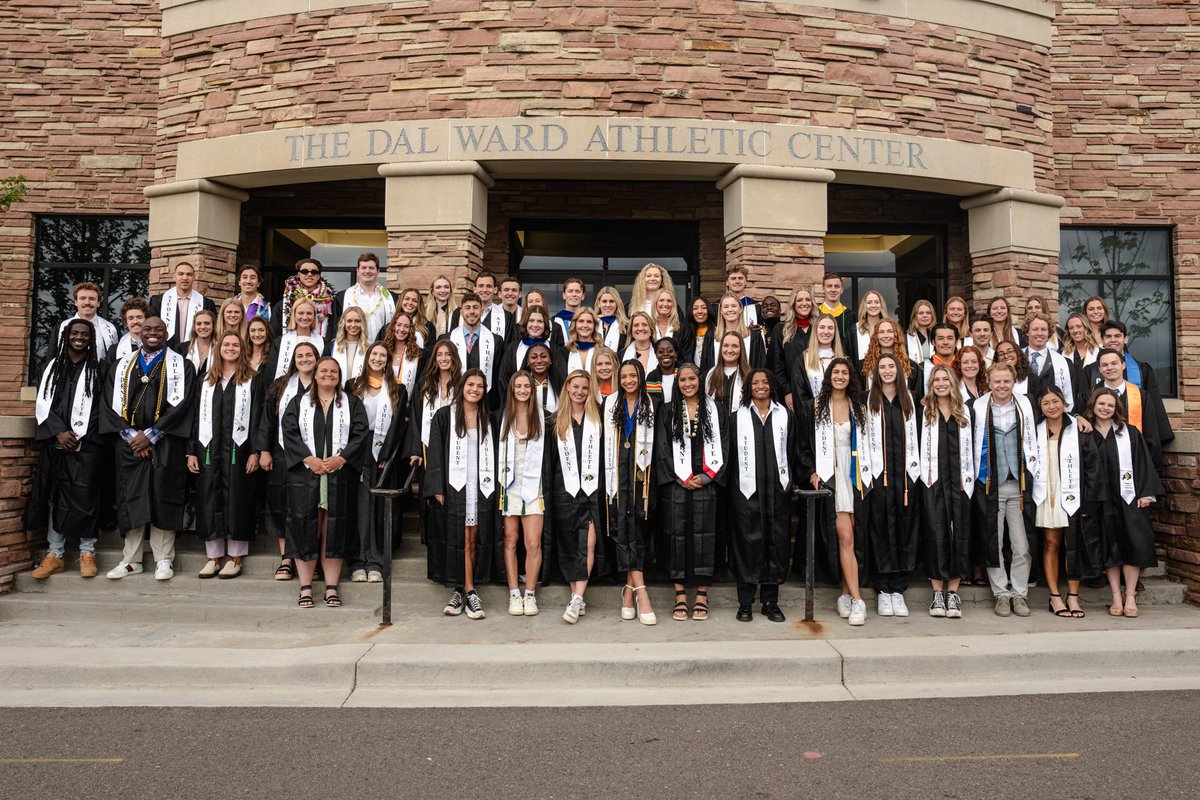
x=436 y=218
x=197 y=221
x=775 y=224
x=1013 y=235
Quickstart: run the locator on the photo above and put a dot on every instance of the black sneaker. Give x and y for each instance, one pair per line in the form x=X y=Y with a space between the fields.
x=745 y=612
x=455 y=606
x=938 y=607
x=474 y=606
x=953 y=606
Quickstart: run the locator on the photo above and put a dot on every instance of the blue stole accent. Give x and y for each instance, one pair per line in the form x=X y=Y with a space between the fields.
x=1133 y=371
x=608 y=321
x=566 y=316
x=985 y=466
x=147 y=366
x=532 y=342
x=747 y=301
x=585 y=345
x=855 y=473
x=630 y=419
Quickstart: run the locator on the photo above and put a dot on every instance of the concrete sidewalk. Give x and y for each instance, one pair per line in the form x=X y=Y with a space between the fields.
x=426 y=659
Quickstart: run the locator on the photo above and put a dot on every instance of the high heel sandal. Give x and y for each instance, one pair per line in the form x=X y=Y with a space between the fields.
x=700 y=609
x=336 y=600
x=1062 y=612
x=629 y=612
x=306 y=601
x=680 y=612
x=1076 y=613
x=649 y=618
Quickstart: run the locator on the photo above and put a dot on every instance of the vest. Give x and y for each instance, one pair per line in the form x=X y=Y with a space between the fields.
x=1008 y=453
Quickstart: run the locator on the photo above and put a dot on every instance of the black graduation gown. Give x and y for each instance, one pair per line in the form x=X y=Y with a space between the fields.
x=985 y=508
x=761 y=526
x=70 y=482
x=1082 y=552
x=629 y=514
x=782 y=358
x=366 y=549
x=431 y=513
x=1152 y=405
x=1128 y=537
x=571 y=514
x=446 y=534
x=893 y=520
x=509 y=365
x=510 y=325
x=304 y=488
x=688 y=517
x=472 y=361
x=156 y=311
x=825 y=559
x=225 y=496
x=267 y=439
x=152 y=490
x=946 y=511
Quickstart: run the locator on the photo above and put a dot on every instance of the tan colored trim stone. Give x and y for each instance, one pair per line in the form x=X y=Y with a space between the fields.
x=775 y=201
x=194 y=212
x=16 y=427
x=1184 y=441
x=1013 y=221
x=1022 y=20
x=447 y=196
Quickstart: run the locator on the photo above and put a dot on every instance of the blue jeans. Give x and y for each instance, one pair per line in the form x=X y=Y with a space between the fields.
x=58 y=541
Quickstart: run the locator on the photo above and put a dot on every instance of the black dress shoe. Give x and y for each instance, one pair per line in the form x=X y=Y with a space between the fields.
x=745 y=612
x=773 y=612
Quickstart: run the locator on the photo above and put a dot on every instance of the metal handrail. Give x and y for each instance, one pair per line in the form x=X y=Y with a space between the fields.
x=810 y=496
x=388 y=496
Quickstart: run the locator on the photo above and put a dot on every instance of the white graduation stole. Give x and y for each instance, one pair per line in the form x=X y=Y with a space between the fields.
x=826 y=446
x=1125 y=464
x=81 y=403
x=668 y=387
x=351 y=361
x=735 y=392
x=777 y=421
x=458 y=458
x=581 y=359
x=713 y=458
x=612 y=336
x=170 y=304
x=864 y=342
x=659 y=333
x=201 y=364
x=487 y=350
x=406 y=373
x=750 y=315
x=1062 y=377
x=289 y=391
x=428 y=409
x=912 y=459
x=913 y=343
x=497 y=320
x=341 y=425
x=125 y=346
x=1029 y=441
x=815 y=378
x=287 y=348
x=374 y=320
x=643 y=437
x=931 y=469
x=1021 y=388
x=172 y=363
x=383 y=422
x=1069 y=467
x=241 y=412
x=551 y=401
x=105 y=332
x=631 y=353
x=581 y=469
x=530 y=471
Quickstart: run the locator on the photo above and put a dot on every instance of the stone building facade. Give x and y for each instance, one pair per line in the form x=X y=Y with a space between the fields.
x=771 y=129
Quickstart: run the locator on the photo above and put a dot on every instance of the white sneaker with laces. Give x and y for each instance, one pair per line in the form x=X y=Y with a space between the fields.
x=883 y=604
x=572 y=614
x=163 y=571
x=122 y=569
x=531 y=607
x=516 y=606
x=858 y=612
x=899 y=607
x=843 y=605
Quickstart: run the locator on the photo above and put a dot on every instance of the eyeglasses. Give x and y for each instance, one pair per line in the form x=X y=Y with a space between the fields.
x=309 y=271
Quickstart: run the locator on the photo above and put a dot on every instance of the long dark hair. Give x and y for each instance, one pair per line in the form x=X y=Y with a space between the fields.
x=645 y=413
x=429 y=384
x=747 y=396
x=853 y=393
x=533 y=417
x=359 y=385
x=62 y=360
x=275 y=391
x=679 y=405
x=875 y=398
x=1021 y=368
x=460 y=429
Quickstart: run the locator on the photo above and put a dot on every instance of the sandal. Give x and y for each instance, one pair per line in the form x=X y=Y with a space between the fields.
x=335 y=601
x=680 y=612
x=700 y=608
x=1117 y=609
x=306 y=600
x=285 y=571
x=1061 y=612
x=1076 y=613
x=1130 y=600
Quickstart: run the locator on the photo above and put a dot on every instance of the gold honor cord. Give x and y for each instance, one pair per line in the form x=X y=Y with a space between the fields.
x=129 y=412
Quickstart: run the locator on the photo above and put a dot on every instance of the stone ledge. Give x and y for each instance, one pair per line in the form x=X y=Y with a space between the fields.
x=16 y=427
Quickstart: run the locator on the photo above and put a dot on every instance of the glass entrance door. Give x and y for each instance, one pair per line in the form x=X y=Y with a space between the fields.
x=904 y=264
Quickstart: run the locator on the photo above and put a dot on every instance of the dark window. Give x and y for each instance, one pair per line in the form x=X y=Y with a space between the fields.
x=110 y=251
x=1131 y=269
x=904 y=264
x=336 y=243
x=544 y=253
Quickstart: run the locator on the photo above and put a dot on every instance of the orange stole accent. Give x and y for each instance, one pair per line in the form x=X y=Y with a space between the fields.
x=1133 y=405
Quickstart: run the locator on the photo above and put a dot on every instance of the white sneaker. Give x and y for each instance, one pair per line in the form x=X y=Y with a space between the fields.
x=531 y=609
x=883 y=604
x=582 y=607
x=210 y=569
x=843 y=605
x=516 y=606
x=164 y=572
x=899 y=607
x=358 y=576
x=122 y=569
x=374 y=576
x=858 y=612
x=574 y=610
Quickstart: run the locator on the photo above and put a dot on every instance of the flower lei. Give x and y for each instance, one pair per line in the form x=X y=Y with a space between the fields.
x=321 y=297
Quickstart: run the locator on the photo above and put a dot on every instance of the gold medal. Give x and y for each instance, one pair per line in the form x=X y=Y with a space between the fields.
x=627 y=445
x=145 y=379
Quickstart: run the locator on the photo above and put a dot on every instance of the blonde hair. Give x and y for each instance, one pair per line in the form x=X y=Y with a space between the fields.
x=291 y=325
x=862 y=310
x=789 y=313
x=964 y=328
x=740 y=326
x=418 y=318
x=431 y=303
x=622 y=319
x=591 y=408
x=912 y=317
x=649 y=323
x=340 y=341
x=957 y=410
x=573 y=339
x=243 y=328
x=637 y=300
x=241 y=373
x=812 y=353
x=1089 y=336
x=673 y=317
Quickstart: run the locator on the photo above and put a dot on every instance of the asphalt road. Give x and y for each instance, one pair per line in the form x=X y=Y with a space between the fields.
x=1085 y=747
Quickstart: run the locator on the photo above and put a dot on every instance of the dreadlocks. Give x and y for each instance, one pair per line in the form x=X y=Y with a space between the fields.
x=62 y=361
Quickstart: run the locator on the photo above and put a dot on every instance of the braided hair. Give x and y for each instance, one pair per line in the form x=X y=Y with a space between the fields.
x=677 y=424
x=62 y=361
x=645 y=414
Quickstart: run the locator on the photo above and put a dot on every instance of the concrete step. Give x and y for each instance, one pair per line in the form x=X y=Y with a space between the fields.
x=232 y=613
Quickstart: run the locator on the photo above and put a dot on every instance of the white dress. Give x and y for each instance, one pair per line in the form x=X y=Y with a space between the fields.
x=843 y=486
x=516 y=504
x=1050 y=513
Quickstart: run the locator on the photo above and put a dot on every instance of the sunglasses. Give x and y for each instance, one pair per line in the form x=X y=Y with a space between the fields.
x=310 y=272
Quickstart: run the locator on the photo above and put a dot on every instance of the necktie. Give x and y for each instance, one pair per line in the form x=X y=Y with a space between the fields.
x=181 y=314
x=1034 y=358
x=471 y=342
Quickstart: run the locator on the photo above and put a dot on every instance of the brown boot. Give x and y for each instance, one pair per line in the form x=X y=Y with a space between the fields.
x=87 y=565
x=50 y=565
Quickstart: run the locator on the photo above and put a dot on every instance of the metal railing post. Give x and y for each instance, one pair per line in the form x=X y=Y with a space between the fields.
x=810 y=497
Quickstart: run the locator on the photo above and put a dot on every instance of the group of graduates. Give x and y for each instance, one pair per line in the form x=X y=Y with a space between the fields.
x=607 y=441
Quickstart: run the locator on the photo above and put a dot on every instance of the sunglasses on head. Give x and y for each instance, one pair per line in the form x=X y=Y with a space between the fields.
x=310 y=272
